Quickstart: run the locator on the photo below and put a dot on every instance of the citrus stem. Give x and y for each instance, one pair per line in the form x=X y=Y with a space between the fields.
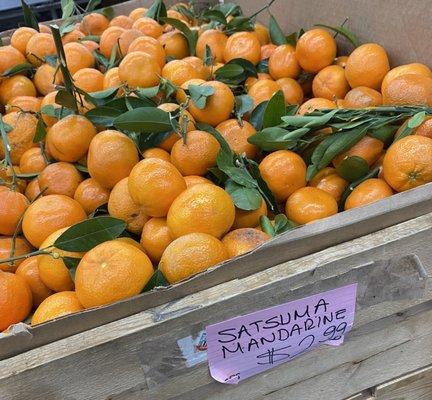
x=24 y=256
x=262 y=9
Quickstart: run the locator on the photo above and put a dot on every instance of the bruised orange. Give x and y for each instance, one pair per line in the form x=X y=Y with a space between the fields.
x=243 y=240
x=122 y=206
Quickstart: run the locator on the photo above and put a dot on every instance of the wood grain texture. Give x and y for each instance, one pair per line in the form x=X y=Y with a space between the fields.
x=414 y=386
x=138 y=358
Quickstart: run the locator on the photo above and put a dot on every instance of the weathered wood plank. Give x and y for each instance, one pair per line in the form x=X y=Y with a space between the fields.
x=138 y=357
x=415 y=386
x=304 y=240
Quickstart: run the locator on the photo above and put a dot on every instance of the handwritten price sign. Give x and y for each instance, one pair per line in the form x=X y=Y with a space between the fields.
x=244 y=346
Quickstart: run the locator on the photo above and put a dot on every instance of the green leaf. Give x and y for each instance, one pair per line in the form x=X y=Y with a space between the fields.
x=157 y=10
x=208 y=56
x=92 y=38
x=226 y=155
x=243 y=197
x=147 y=93
x=352 y=168
x=55 y=112
x=28 y=176
x=101 y=97
x=228 y=9
x=81 y=168
x=275 y=110
x=384 y=133
x=277 y=138
x=40 y=131
x=276 y=34
x=108 y=12
x=243 y=104
x=262 y=66
x=92 y=4
x=144 y=119
x=17 y=69
x=114 y=60
x=122 y=103
x=266 y=193
x=199 y=94
x=100 y=59
x=292 y=39
x=103 y=116
x=215 y=15
x=235 y=71
x=68 y=8
x=414 y=122
x=282 y=224
x=87 y=234
x=257 y=115
x=66 y=99
x=344 y=32
x=102 y=210
x=71 y=262
x=152 y=139
x=229 y=71
x=157 y=280
x=267 y=226
x=239 y=24
x=29 y=17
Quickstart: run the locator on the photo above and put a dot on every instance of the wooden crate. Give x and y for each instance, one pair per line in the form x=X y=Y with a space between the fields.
x=138 y=357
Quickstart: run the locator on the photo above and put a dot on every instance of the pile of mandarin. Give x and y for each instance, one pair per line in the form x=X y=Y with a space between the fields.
x=180 y=218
